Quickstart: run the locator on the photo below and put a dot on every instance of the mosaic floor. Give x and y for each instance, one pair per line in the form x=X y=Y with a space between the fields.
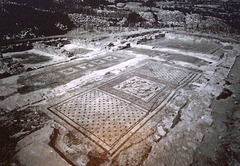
x=63 y=74
x=201 y=47
x=113 y=112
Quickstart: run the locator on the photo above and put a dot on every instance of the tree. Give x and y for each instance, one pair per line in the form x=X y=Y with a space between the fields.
x=134 y=18
x=120 y=1
x=149 y=3
x=96 y=3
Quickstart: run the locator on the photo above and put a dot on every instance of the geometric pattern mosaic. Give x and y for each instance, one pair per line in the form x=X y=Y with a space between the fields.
x=164 y=73
x=114 y=111
x=63 y=74
x=84 y=66
x=103 y=115
x=69 y=70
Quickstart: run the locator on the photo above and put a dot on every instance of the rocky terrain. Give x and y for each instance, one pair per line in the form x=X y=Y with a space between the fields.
x=117 y=83
x=65 y=15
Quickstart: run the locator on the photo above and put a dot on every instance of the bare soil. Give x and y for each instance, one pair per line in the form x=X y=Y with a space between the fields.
x=221 y=146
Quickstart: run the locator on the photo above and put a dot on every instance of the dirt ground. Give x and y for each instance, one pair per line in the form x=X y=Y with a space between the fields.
x=221 y=144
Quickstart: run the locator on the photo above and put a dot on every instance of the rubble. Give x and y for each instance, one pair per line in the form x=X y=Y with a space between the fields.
x=38 y=153
x=9 y=67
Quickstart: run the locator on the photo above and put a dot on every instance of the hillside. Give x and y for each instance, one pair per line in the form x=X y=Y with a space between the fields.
x=23 y=19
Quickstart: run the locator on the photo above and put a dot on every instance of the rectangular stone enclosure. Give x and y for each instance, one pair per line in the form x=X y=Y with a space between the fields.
x=111 y=113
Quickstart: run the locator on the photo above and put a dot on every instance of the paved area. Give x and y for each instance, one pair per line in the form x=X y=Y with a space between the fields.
x=64 y=73
x=136 y=106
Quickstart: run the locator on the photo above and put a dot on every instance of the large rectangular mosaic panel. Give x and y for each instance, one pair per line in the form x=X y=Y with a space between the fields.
x=112 y=112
